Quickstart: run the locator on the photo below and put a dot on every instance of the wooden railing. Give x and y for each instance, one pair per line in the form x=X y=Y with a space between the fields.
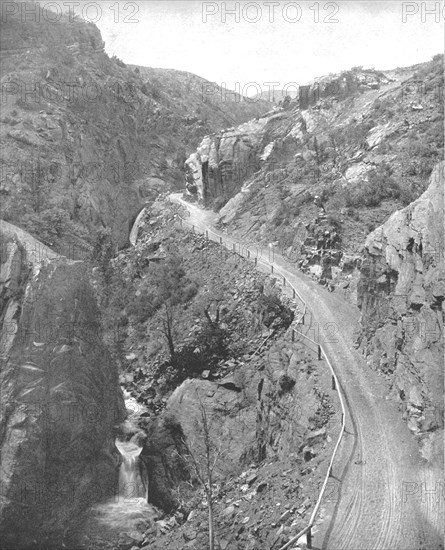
x=321 y=354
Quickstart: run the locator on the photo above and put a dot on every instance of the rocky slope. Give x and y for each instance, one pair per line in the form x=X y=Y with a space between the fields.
x=321 y=171
x=401 y=292
x=59 y=393
x=86 y=140
x=252 y=387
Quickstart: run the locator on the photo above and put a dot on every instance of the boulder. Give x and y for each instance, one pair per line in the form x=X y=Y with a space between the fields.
x=232 y=423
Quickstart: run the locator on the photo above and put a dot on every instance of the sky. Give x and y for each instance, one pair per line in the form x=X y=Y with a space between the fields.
x=262 y=42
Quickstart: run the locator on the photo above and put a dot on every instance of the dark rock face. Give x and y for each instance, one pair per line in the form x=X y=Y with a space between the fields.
x=59 y=393
x=401 y=293
x=223 y=162
x=161 y=454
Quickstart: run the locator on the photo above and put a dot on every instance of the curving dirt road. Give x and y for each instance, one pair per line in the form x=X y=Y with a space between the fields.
x=388 y=498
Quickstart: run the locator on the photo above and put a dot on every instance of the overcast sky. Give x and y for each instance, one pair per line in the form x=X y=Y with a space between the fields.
x=270 y=43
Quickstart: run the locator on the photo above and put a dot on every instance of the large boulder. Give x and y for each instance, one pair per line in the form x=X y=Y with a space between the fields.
x=230 y=419
x=59 y=392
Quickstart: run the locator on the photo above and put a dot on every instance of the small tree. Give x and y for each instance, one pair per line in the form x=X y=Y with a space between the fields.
x=202 y=458
x=336 y=141
x=317 y=158
x=167 y=329
x=213 y=339
x=35 y=175
x=103 y=253
x=171 y=288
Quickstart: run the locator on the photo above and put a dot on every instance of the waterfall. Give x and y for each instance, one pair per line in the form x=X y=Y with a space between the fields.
x=128 y=509
x=134 y=230
x=131 y=485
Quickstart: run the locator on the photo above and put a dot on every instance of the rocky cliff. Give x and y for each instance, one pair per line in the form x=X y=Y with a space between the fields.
x=226 y=160
x=59 y=393
x=321 y=171
x=401 y=293
x=86 y=140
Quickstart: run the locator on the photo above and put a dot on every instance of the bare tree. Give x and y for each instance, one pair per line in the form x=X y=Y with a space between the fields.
x=202 y=457
x=167 y=330
x=170 y=288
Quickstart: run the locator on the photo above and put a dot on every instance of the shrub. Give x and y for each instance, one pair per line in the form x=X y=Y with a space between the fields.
x=383 y=148
x=118 y=61
x=334 y=221
x=407 y=195
x=142 y=307
x=380 y=186
x=286 y=383
x=213 y=342
x=187 y=364
x=53 y=223
x=218 y=203
x=274 y=311
x=190 y=291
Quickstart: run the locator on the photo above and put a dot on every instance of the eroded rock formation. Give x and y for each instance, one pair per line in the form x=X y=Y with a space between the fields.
x=59 y=393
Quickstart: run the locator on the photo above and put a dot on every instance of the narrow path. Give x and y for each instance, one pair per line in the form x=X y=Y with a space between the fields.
x=389 y=498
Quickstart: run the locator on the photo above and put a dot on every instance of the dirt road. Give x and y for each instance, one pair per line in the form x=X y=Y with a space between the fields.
x=388 y=497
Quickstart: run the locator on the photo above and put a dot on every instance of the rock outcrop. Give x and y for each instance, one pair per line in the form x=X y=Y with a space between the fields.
x=163 y=448
x=340 y=86
x=401 y=294
x=59 y=393
x=225 y=161
x=252 y=413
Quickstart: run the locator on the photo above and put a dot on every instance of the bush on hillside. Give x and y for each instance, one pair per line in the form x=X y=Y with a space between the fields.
x=218 y=203
x=380 y=186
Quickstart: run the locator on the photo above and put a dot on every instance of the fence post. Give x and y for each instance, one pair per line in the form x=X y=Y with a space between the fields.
x=207 y=235
x=319 y=352
x=302 y=320
x=293 y=335
x=293 y=293
x=284 y=281
x=256 y=261
x=248 y=254
x=234 y=247
x=271 y=268
x=193 y=228
x=333 y=383
x=309 y=538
